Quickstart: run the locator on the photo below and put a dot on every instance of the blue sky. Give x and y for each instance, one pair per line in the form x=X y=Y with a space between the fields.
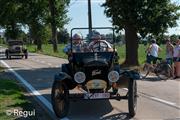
x=79 y=15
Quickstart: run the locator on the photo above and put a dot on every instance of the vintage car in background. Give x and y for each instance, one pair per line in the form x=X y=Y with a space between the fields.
x=16 y=48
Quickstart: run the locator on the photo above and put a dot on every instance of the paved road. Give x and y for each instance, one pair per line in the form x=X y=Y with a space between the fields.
x=157 y=99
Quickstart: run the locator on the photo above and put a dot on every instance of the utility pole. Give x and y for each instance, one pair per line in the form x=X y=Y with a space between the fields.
x=89 y=18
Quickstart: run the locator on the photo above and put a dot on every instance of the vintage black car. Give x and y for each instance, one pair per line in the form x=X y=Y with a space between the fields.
x=96 y=74
x=16 y=48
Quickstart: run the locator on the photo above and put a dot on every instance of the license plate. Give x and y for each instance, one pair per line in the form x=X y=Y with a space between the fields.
x=96 y=95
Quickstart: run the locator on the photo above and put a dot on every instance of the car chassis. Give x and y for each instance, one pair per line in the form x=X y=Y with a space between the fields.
x=102 y=77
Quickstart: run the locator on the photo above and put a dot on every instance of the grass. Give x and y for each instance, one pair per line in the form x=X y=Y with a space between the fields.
x=11 y=97
x=47 y=50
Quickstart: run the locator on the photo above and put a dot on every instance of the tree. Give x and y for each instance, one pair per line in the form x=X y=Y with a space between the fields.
x=9 y=18
x=63 y=36
x=58 y=18
x=36 y=15
x=140 y=16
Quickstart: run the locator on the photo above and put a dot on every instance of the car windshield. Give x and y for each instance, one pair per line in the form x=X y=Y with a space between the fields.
x=100 y=40
x=11 y=43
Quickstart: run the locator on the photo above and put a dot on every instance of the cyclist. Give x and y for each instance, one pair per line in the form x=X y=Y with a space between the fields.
x=152 y=52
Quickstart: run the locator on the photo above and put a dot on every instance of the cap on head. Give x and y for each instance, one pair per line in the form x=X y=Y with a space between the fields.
x=96 y=35
x=153 y=41
x=76 y=37
x=168 y=40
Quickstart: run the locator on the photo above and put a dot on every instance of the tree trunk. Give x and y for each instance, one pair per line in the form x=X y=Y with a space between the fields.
x=35 y=36
x=131 y=46
x=13 y=31
x=53 y=24
x=39 y=44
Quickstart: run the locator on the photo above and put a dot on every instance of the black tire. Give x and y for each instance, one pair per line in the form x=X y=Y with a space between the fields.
x=144 y=71
x=60 y=99
x=26 y=56
x=163 y=71
x=132 y=97
x=7 y=55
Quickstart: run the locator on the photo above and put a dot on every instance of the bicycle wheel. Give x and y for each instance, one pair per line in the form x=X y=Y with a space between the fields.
x=163 y=71
x=144 y=71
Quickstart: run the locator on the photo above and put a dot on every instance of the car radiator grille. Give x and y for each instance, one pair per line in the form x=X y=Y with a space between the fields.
x=96 y=73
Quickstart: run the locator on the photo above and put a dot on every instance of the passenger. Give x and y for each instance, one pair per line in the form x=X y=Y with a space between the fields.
x=77 y=44
x=176 y=59
x=99 y=45
x=152 y=52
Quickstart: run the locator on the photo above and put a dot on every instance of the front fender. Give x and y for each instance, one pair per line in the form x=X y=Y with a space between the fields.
x=66 y=79
x=132 y=74
x=62 y=76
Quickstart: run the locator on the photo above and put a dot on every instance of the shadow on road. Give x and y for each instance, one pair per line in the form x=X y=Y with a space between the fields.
x=94 y=109
x=152 y=79
x=42 y=79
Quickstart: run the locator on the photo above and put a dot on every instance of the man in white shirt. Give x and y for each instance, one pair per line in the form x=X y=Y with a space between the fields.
x=152 y=52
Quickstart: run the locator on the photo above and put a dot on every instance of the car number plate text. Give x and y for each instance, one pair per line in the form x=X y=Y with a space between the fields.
x=96 y=95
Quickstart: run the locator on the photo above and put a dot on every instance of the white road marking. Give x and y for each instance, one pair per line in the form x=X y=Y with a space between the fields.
x=32 y=89
x=158 y=99
x=37 y=60
x=57 y=66
x=163 y=101
x=42 y=61
x=49 y=64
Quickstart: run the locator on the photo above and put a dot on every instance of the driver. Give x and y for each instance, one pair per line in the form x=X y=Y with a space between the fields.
x=99 y=45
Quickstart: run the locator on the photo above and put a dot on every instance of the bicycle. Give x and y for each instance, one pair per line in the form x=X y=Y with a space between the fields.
x=162 y=69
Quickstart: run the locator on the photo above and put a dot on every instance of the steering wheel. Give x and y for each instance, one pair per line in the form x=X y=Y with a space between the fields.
x=99 y=46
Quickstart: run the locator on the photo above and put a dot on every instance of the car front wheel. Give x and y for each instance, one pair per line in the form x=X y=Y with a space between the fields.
x=60 y=99
x=132 y=97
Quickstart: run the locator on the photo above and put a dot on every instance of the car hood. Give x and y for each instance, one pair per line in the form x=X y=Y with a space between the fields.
x=93 y=59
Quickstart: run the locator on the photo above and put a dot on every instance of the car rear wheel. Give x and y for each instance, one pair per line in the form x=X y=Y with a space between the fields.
x=26 y=56
x=7 y=54
x=7 y=57
x=132 y=97
x=60 y=99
